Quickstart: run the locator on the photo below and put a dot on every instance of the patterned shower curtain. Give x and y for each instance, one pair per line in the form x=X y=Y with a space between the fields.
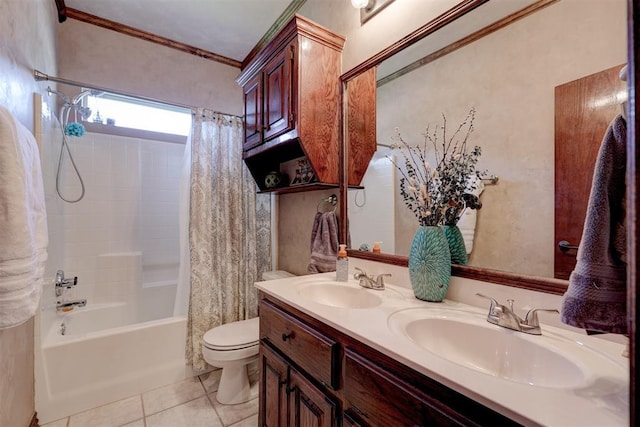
x=222 y=230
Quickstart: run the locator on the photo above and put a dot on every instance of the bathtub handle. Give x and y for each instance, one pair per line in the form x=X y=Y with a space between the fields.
x=290 y=335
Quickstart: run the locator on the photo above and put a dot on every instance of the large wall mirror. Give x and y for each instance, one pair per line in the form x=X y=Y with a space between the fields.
x=505 y=59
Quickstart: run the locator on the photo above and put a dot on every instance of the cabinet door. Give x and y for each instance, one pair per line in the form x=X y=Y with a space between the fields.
x=278 y=86
x=274 y=376
x=308 y=406
x=252 y=113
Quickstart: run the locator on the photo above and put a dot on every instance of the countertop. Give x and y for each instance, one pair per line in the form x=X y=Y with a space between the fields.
x=602 y=401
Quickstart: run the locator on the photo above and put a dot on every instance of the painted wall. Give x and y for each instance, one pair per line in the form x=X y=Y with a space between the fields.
x=27 y=41
x=108 y=59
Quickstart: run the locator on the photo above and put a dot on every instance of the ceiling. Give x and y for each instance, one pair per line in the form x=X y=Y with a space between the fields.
x=229 y=28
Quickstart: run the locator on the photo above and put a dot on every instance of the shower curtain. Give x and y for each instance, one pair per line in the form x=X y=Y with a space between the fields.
x=221 y=231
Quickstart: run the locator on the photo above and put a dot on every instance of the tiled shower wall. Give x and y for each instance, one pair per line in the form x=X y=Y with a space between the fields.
x=130 y=207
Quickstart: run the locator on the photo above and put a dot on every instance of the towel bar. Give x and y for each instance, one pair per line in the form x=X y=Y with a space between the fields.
x=566 y=246
x=332 y=200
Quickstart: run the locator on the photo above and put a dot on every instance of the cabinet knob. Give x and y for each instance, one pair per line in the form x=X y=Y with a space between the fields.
x=287 y=336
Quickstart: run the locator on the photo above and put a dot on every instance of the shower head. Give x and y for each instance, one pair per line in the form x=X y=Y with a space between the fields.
x=85 y=112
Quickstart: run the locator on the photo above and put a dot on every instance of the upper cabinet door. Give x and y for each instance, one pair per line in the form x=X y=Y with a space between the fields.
x=278 y=88
x=253 y=112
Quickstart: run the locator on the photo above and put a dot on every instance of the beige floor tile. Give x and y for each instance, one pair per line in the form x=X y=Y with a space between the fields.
x=174 y=394
x=137 y=423
x=114 y=414
x=211 y=380
x=197 y=413
x=59 y=423
x=230 y=414
x=252 y=421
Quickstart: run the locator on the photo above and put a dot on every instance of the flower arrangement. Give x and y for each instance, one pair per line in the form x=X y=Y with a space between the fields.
x=439 y=195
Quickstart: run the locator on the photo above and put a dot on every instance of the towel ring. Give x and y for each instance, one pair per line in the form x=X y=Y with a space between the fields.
x=331 y=200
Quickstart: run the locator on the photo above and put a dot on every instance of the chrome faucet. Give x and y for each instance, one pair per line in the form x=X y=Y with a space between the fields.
x=504 y=316
x=61 y=305
x=368 y=281
x=62 y=283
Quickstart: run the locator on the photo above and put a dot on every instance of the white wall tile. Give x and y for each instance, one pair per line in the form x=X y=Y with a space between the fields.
x=131 y=204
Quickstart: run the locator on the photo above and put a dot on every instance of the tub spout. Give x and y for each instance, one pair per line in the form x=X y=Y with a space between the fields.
x=68 y=305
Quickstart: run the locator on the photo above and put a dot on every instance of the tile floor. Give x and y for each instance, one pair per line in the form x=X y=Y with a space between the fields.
x=188 y=403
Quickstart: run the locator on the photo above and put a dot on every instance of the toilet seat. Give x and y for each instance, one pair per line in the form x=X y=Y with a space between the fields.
x=233 y=336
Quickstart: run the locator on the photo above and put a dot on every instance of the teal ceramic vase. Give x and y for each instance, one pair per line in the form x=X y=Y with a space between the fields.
x=430 y=264
x=456 y=244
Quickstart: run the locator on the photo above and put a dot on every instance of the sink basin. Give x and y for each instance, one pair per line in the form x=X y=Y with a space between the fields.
x=336 y=295
x=467 y=339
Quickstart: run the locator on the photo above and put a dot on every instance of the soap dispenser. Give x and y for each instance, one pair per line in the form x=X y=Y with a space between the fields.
x=376 y=247
x=342 y=264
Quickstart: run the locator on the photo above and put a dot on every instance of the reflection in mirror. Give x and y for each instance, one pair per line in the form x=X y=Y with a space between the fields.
x=509 y=75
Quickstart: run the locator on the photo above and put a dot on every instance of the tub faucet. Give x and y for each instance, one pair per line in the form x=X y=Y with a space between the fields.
x=62 y=283
x=62 y=305
x=368 y=281
x=504 y=316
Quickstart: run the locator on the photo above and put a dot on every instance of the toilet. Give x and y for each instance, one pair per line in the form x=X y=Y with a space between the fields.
x=232 y=347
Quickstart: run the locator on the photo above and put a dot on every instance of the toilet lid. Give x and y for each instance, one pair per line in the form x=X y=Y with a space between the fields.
x=234 y=335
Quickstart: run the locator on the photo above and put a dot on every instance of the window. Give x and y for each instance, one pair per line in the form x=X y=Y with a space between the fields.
x=125 y=111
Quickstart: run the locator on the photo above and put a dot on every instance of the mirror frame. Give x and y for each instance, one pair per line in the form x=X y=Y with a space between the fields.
x=509 y=279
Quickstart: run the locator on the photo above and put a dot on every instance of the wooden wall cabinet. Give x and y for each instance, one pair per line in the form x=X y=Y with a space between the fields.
x=291 y=102
x=312 y=374
x=361 y=137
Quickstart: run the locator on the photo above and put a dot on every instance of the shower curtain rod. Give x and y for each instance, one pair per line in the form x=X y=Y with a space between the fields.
x=40 y=76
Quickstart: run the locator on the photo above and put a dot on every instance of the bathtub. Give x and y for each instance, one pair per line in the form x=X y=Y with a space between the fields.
x=101 y=358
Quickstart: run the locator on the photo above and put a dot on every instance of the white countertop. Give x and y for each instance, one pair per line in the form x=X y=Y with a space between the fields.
x=603 y=401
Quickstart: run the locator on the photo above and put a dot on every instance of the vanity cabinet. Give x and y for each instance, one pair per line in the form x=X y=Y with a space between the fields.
x=312 y=374
x=292 y=101
x=289 y=391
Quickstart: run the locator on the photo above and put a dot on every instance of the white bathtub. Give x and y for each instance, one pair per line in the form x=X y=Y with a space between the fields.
x=101 y=359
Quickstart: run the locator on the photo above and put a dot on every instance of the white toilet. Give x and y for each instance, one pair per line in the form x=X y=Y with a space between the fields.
x=232 y=347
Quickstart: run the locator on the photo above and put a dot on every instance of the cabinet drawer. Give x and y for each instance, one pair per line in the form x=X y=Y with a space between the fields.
x=379 y=398
x=311 y=350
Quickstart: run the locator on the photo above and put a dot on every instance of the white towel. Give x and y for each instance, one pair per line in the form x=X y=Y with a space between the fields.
x=467 y=221
x=23 y=223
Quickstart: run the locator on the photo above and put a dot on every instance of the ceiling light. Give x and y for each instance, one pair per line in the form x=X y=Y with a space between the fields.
x=359 y=4
x=369 y=8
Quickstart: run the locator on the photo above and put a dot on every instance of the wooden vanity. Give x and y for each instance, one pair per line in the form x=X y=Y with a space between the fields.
x=312 y=374
x=328 y=360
